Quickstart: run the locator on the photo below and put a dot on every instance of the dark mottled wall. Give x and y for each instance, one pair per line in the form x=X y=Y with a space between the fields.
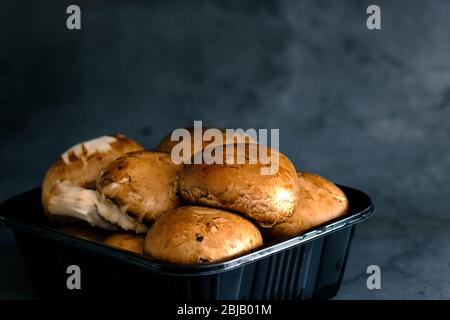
x=370 y=109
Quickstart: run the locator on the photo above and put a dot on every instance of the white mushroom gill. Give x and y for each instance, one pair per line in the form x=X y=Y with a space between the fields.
x=98 y=145
x=117 y=215
x=72 y=201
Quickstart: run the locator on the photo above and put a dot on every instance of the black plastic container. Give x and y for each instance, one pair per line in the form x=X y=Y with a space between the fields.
x=307 y=266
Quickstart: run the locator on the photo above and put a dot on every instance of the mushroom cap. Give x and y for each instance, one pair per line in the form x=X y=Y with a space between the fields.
x=126 y=241
x=266 y=198
x=142 y=185
x=167 y=145
x=193 y=234
x=319 y=201
x=67 y=183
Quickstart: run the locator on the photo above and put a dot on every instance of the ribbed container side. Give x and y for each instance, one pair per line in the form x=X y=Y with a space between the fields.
x=310 y=266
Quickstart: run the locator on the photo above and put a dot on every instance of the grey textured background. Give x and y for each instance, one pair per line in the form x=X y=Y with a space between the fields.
x=369 y=109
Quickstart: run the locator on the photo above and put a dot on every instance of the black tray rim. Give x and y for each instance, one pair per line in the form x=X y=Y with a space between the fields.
x=172 y=269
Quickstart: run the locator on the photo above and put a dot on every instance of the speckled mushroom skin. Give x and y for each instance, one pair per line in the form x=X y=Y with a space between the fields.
x=267 y=199
x=142 y=184
x=193 y=234
x=319 y=201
